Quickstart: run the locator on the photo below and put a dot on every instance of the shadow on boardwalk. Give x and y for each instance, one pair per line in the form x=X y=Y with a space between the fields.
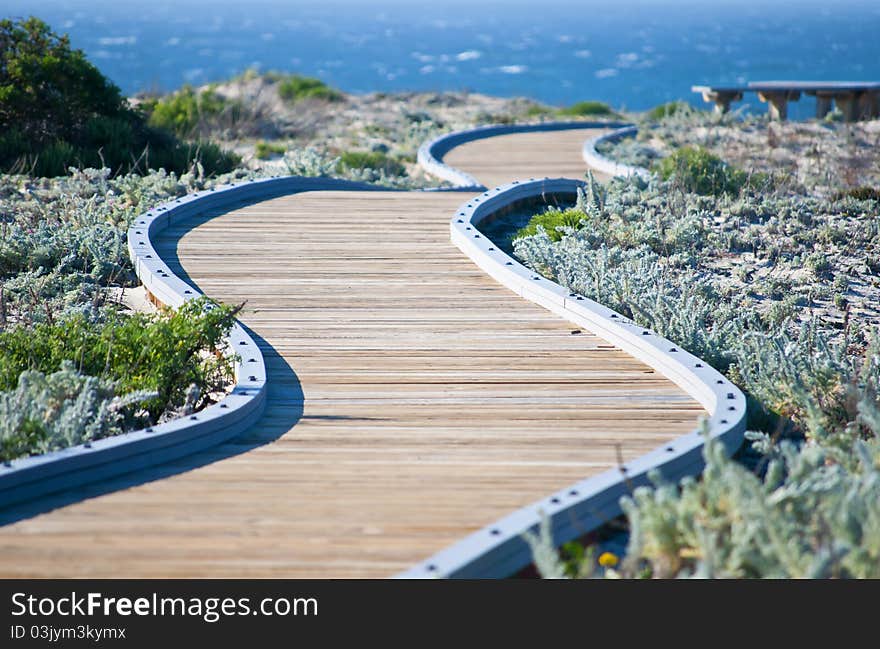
x=285 y=403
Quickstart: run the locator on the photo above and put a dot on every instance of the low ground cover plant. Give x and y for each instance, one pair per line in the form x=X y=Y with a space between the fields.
x=771 y=286
x=822 y=157
x=295 y=87
x=77 y=380
x=587 y=109
x=700 y=172
x=75 y=365
x=373 y=160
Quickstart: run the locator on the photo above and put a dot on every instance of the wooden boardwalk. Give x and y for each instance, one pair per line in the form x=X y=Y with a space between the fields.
x=500 y=159
x=412 y=400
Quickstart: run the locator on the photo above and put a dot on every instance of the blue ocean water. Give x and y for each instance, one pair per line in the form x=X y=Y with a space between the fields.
x=629 y=53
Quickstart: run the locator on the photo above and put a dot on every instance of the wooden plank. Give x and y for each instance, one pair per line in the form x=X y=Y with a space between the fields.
x=412 y=400
x=498 y=160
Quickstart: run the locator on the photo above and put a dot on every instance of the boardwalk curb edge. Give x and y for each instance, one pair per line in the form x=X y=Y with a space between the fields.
x=30 y=478
x=499 y=549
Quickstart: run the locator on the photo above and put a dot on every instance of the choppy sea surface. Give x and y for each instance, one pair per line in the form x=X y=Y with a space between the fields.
x=629 y=53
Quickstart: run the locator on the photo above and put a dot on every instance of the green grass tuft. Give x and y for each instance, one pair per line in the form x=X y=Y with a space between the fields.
x=550 y=220
x=295 y=88
x=587 y=109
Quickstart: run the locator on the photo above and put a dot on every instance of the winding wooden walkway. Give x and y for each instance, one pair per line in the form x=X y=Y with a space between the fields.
x=412 y=399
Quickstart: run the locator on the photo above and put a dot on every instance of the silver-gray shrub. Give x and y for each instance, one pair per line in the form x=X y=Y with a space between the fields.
x=655 y=255
x=46 y=412
x=815 y=510
x=63 y=240
x=809 y=516
x=312 y=162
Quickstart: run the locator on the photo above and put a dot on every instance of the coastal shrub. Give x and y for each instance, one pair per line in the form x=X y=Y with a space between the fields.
x=264 y=150
x=294 y=88
x=555 y=222
x=62 y=112
x=188 y=112
x=685 y=265
x=862 y=193
x=374 y=160
x=47 y=412
x=538 y=110
x=629 y=151
x=701 y=172
x=165 y=353
x=587 y=109
x=209 y=157
x=309 y=161
x=808 y=516
x=49 y=91
x=63 y=240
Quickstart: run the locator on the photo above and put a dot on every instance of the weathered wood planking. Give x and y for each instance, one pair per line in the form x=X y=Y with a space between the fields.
x=412 y=400
x=550 y=154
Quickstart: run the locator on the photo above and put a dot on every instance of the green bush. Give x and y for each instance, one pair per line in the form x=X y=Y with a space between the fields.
x=212 y=158
x=859 y=193
x=665 y=260
x=587 y=109
x=552 y=220
x=374 y=160
x=48 y=91
x=265 y=150
x=186 y=111
x=165 y=353
x=295 y=88
x=62 y=112
x=698 y=171
x=810 y=516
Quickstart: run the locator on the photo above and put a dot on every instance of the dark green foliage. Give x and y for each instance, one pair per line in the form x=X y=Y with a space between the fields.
x=183 y=156
x=859 y=193
x=295 y=88
x=47 y=90
x=698 y=171
x=587 y=109
x=58 y=111
x=29 y=435
x=163 y=353
x=375 y=160
x=495 y=118
x=265 y=150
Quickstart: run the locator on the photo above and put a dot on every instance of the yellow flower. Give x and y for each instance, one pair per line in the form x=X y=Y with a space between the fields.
x=608 y=560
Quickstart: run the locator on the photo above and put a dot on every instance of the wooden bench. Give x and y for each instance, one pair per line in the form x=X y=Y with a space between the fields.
x=855 y=99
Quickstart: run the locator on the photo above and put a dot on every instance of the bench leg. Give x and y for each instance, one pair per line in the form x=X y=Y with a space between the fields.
x=868 y=105
x=823 y=106
x=777 y=103
x=722 y=100
x=849 y=105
